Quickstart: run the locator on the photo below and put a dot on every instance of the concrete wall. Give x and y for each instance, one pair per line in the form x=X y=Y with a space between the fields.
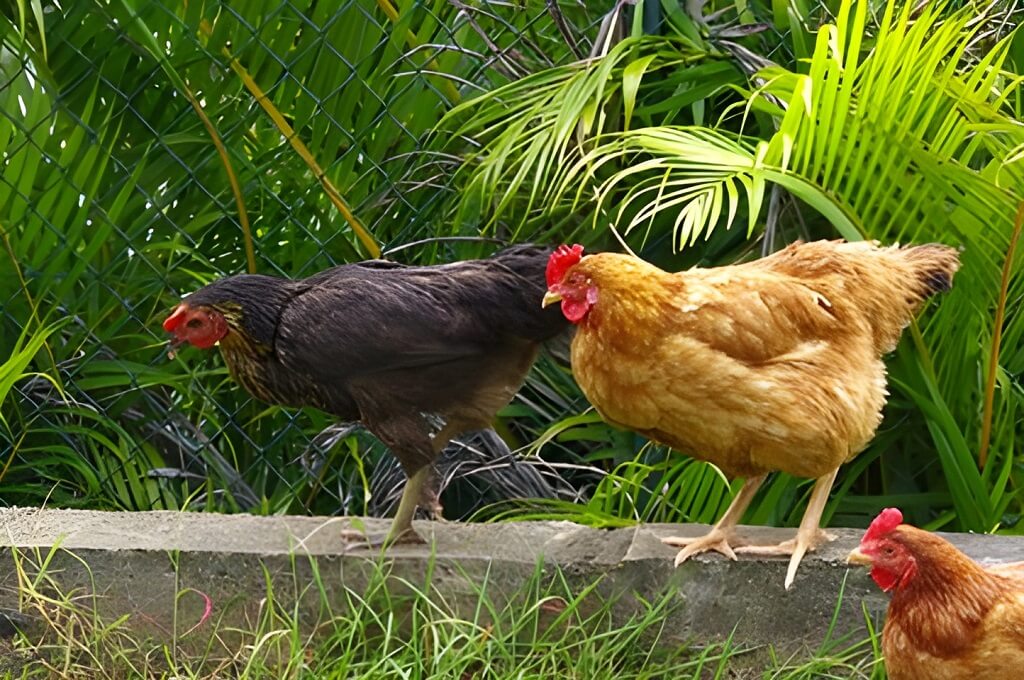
x=138 y=562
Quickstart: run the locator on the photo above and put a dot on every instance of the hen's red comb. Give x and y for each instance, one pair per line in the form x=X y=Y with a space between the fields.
x=887 y=520
x=561 y=260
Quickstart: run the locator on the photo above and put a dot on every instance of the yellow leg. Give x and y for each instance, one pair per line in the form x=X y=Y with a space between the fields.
x=401 y=528
x=420 y=490
x=808 y=537
x=718 y=538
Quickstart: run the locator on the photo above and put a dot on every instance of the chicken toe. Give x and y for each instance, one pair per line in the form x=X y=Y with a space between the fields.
x=716 y=539
x=353 y=536
x=808 y=537
x=401 y=527
x=401 y=531
x=355 y=540
x=805 y=541
x=788 y=547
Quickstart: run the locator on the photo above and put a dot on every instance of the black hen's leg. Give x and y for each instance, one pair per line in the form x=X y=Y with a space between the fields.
x=430 y=491
x=401 y=531
x=430 y=495
x=401 y=528
x=421 y=490
x=417 y=455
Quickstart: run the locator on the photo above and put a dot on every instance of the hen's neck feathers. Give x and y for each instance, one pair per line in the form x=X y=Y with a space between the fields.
x=941 y=605
x=625 y=290
x=251 y=303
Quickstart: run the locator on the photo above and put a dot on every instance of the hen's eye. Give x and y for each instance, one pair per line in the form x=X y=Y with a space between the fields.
x=194 y=323
x=889 y=551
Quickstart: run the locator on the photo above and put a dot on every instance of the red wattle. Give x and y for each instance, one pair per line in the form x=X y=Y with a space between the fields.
x=575 y=310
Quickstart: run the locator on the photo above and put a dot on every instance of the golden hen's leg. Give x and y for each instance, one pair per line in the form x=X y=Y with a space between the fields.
x=808 y=537
x=718 y=538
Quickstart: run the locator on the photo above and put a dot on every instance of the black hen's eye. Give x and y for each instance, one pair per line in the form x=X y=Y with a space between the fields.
x=194 y=323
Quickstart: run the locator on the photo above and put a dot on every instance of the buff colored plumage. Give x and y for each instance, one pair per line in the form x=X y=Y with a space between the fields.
x=769 y=365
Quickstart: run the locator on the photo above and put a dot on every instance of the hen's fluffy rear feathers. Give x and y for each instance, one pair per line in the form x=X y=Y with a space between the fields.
x=886 y=284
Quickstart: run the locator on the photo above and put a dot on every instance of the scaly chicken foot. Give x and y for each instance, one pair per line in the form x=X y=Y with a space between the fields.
x=806 y=541
x=401 y=531
x=809 y=536
x=421 y=490
x=723 y=533
x=356 y=540
x=716 y=539
x=788 y=547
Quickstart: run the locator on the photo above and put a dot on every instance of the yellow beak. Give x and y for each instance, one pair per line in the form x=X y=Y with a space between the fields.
x=550 y=298
x=857 y=557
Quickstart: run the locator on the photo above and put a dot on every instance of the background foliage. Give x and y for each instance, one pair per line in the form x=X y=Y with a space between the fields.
x=150 y=147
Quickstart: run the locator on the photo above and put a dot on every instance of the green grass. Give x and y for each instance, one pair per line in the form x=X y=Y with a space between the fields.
x=392 y=628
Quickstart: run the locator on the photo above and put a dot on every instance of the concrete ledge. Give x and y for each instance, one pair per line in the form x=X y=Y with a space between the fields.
x=137 y=564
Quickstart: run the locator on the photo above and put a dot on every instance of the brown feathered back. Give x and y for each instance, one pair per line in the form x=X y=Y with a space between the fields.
x=887 y=284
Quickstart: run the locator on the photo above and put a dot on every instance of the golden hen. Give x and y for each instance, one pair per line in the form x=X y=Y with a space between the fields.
x=949 y=617
x=768 y=365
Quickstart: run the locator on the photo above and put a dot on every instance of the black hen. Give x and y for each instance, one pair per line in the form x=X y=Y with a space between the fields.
x=397 y=348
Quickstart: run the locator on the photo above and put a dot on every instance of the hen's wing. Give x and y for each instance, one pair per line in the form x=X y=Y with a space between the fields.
x=377 y=317
x=755 y=316
x=886 y=285
x=861 y=286
x=368 y=325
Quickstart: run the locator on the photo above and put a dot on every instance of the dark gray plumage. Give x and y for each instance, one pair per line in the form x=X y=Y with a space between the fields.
x=394 y=347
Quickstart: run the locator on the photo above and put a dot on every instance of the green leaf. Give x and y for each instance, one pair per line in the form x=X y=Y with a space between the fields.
x=25 y=349
x=632 y=74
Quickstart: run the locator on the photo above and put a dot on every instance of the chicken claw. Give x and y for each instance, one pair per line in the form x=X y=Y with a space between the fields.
x=716 y=539
x=809 y=536
x=354 y=539
x=805 y=541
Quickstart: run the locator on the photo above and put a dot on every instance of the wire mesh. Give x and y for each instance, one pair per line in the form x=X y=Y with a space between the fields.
x=146 y=150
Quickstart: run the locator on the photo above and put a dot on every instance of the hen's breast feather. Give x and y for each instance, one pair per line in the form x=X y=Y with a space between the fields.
x=805 y=412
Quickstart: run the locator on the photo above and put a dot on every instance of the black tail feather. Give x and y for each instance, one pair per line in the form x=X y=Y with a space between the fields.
x=935 y=265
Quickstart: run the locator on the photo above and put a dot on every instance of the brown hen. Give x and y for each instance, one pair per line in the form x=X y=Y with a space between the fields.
x=769 y=365
x=949 y=618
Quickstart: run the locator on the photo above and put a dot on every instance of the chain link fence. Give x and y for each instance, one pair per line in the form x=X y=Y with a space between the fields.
x=148 y=148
